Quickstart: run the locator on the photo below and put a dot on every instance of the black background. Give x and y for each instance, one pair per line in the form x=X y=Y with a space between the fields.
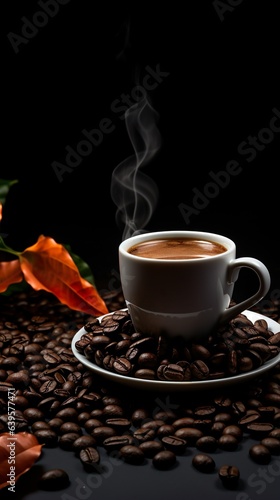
x=218 y=85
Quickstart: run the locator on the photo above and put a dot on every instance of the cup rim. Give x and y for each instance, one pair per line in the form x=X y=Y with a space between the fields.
x=150 y=235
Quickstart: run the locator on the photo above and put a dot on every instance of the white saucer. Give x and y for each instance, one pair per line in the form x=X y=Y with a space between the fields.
x=180 y=386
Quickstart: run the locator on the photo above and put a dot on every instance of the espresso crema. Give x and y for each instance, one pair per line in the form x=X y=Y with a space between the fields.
x=177 y=248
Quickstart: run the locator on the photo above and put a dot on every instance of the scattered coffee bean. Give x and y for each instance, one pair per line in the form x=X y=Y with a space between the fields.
x=132 y=454
x=260 y=454
x=54 y=479
x=89 y=457
x=229 y=475
x=203 y=462
x=60 y=401
x=164 y=459
x=272 y=444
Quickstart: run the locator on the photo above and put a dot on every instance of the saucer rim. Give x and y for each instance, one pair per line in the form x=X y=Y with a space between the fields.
x=183 y=385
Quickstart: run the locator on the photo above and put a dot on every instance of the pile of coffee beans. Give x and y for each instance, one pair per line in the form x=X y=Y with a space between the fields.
x=67 y=406
x=238 y=347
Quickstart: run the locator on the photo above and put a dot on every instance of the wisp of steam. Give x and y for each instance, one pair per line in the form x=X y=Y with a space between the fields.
x=135 y=193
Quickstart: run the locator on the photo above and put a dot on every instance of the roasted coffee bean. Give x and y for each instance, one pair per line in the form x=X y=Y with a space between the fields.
x=273 y=444
x=207 y=444
x=20 y=379
x=89 y=457
x=48 y=387
x=113 y=410
x=117 y=442
x=178 y=423
x=54 y=479
x=147 y=360
x=145 y=373
x=103 y=432
x=174 y=443
x=203 y=462
x=260 y=454
x=199 y=351
x=122 y=366
x=173 y=372
x=151 y=448
x=248 y=418
x=132 y=454
x=67 y=427
x=51 y=357
x=165 y=430
x=47 y=437
x=83 y=441
x=67 y=414
x=228 y=442
x=190 y=434
x=164 y=460
x=199 y=370
x=233 y=430
x=33 y=414
x=67 y=440
x=140 y=415
x=260 y=429
x=120 y=424
x=229 y=475
x=144 y=434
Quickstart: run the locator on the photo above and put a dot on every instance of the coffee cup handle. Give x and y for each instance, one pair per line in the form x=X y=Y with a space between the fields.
x=264 y=284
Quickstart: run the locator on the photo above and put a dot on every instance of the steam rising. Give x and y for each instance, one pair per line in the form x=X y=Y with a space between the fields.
x=134 y=193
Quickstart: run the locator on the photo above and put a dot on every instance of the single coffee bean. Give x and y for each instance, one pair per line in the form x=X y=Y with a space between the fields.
x=203 y=462
x=199 y=370
x=151 y=448
x=260 y=454
x=260 y=429
x=228 y=442
x=207 y=444
x=164 y=459
x=145 y=373
x=54 y=479
x=273 y=445
x=233 y=430
x=66 y=440
x=70 y=427
x=103 y=432
x=89 y=457
x=117 y=442
x=33 y=414
x=144 y=434
x=173 y=372
x=40 y=424
x=122 y=366
x=48 y=437
x=84 y=441
x=229 y=475
x=190 y=434
x=174 y=443
x=132 y=454
x=120 y=424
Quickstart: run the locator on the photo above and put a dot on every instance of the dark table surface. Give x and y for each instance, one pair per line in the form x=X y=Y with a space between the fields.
x=123 y=480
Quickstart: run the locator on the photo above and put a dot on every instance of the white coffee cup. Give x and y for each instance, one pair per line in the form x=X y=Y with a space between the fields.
x=186 y=296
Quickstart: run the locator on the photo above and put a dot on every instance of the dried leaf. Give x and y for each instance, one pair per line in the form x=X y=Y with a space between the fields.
x=18 y=453
x=10 y=272
x=48 y=266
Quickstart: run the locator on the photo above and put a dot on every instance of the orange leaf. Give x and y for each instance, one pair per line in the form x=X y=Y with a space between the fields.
x=10 y=272
x=18 y=453
x=48 y=266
